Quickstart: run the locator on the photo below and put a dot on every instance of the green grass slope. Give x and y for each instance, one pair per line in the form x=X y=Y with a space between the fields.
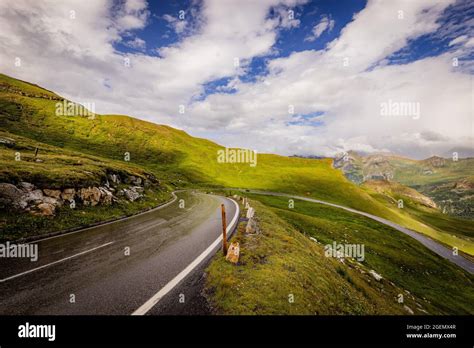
x=168 y=151
x=177 y=159
x=450 y=230
x=282 y=260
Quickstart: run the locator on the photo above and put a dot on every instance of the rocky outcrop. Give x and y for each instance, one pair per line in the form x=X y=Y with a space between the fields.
x=33 y=196
x=9 y=142
x=10 y=195
x=52 y=193
x=463 y=185
x=45 y=209
x=89 y=196
x=132 y=194
x=114 y=178
x=27 y=197
x=106 y=196
x=68 y=194
x=434 y=162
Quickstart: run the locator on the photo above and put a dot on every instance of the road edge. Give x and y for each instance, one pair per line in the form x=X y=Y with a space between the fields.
x=152 y=301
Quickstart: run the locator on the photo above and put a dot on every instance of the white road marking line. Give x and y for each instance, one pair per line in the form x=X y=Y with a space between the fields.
x=55 y=262
x=173 y=282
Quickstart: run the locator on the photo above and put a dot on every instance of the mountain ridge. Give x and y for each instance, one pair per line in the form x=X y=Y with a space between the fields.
x=88 y=148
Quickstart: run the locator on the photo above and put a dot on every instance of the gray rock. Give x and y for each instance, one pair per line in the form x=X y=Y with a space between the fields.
x=137 y=189
x=129 y=179
x=11 y=196
x=376 y=276
x=251 y=226
x=52 y=201
x=10 y=192
x=408 y=309
x=132 y=195
x=114 y=178
x=36 y=195
x=106 y=197
x=7 y=141
x=137 y=181
x=26 y=186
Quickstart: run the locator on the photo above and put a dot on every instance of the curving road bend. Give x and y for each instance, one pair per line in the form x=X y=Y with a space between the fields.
x=122 y=267
x=434 y=246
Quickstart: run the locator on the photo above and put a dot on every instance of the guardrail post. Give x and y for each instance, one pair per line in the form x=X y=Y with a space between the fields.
x=224 y=231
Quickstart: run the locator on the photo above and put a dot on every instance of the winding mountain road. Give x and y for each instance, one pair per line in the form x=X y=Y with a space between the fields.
x=144 y=264
x=434 y=246
x=123 y=267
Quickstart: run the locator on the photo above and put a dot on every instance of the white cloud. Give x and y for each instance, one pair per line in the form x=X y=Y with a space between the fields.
x=76 y=58
x=458 y=40
x=287 y=17
x=178 y=25
x=132 y=15
x=136 y=43
x=470 y=42
x=350 y=96
x=326 y=23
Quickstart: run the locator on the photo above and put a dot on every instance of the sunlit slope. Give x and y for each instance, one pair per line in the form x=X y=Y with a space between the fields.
x=287 y=256
x=164 y=149
x=172 y=155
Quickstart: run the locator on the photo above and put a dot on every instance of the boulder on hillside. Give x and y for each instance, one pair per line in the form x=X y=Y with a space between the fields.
x=26 y=186
x=53 y=201
x=68 y=194
x=114 y=178
x=10 y=195
x=45 y=209
x=129 y=179
x=139 y=189
x=89 y=196
x=106 y=197
x=137 y=181
x=132 y=194
x=33 y=196
x=375 y=275
x=52 y=193
x=9 y=142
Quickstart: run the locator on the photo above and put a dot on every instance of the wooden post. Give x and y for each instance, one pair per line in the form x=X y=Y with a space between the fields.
x=224 y=231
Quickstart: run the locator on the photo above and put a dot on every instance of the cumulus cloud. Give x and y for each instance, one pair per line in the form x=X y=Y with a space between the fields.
x=326 y=23
x=136 y=43
x=132 y=14
x=178 y=25
x=338 y=91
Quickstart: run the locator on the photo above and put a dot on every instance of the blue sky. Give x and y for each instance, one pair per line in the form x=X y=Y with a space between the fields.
x=160 y=33
x=311 y=78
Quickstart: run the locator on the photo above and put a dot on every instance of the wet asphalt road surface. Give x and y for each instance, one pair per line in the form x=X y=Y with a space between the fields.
x=115 y=268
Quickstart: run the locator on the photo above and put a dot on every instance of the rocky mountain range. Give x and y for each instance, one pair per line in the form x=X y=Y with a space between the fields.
x=449 y=182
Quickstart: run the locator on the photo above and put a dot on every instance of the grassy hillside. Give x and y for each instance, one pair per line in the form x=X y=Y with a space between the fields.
x=168 y=152
x=83 y=148
x=282 y=260
x=447 y=229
